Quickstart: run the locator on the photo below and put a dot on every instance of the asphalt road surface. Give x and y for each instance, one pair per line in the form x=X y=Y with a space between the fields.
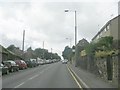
x=54 y=75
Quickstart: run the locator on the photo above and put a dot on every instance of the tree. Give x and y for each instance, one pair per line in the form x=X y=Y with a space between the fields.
x=15 y=50
x=47 y=55
x=67 y=53
x=11 y=47
x=105 y=43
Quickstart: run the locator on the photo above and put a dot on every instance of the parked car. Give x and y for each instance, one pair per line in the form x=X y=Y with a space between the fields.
x=31 y=63
x=21 y=63
x=34 y=61
x=4 y=69
x=12 y=66
x=47 y=61
x=40 y=61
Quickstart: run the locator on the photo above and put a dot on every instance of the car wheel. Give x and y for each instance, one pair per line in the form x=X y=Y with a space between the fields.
x=7 y=72
x=17 y=69
x=12 y=70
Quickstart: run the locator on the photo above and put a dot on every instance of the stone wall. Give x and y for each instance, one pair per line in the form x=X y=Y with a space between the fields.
x=102 y=67
x=115 y=68
x=101 y=64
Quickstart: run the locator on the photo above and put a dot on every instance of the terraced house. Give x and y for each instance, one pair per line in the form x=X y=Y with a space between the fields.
x=109 y=29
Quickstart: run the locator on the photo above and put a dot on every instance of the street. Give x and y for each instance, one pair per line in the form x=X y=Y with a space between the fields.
x=59 y=44
x=54 y=75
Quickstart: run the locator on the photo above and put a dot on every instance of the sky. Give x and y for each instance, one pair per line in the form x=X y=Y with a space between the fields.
x=46 y=21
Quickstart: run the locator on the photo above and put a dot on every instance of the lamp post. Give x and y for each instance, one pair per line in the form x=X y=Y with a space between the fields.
x=74 y=49
x=75 y=26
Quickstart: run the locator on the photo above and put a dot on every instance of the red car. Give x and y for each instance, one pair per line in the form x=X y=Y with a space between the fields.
x=21 y=63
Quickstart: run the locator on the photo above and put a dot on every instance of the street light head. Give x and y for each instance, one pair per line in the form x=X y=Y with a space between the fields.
x=66 y=10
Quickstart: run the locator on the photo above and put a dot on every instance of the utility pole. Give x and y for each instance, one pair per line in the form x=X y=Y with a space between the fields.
x=75 y=29
x=43 y=44
x=23 y=40
x=51 y=53
x=23 y=44
x=43 y=49
x=51 y=50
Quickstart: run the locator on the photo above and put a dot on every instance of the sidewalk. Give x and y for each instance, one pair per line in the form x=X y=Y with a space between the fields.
x=90 y=80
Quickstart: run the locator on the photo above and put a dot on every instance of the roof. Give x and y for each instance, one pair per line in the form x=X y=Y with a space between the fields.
x=105 y=26
x=6 y=51
x=3 y=50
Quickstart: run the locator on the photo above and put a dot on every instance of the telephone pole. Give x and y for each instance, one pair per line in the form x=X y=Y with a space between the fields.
x=23 y=44
x=43 y=49
x=51 y=53
x=23 y=40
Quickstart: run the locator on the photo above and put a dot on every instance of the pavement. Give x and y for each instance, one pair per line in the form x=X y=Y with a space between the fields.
x=89 y=80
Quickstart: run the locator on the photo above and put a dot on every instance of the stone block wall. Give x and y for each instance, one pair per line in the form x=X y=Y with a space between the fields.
x=115 y=68
x=101 y=64
x=102 y=67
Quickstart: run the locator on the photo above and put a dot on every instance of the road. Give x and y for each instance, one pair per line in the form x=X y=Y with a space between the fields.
x=54 y=75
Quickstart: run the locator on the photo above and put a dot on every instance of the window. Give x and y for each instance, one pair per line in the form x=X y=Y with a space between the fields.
x=105 y=30
x=108 y=27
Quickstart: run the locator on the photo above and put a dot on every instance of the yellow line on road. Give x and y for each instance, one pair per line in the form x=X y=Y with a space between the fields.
x=75 y=79
x=84 y=84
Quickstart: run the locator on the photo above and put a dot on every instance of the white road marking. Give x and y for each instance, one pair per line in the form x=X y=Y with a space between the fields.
x=39 y=73
x=19 y=85
x=34 y=77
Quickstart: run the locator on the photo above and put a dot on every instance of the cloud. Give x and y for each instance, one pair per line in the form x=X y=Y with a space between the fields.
x=47 y=21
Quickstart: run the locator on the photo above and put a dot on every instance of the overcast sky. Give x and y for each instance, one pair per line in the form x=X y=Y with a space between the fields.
x=47 y=21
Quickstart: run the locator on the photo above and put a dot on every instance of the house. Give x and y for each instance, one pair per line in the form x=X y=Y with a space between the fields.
x=6 y=54
x=109 y=29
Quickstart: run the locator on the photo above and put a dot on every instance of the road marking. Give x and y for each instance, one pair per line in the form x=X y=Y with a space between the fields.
x=34 y=77
x=39 y=73
x=74 y=78
x=19 y=85
x=86 y=86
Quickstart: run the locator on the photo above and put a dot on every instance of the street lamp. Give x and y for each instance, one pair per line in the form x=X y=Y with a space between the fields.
x=73 y=50
x=75 y=26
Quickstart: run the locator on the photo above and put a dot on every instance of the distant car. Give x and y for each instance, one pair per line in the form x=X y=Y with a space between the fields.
x=41 y=62
x=64 y=61
x=47 y=61
x=21 y=63
x=12 y=66
x=29 y=63
x=34 y=61
x=4 y=69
